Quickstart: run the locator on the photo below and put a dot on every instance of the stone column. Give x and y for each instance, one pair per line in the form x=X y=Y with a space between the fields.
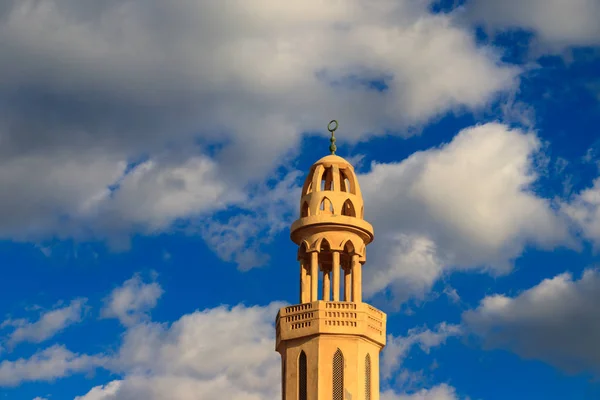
x=326 y=284
x=336 y=275
x=314 y=276
x=356 y=279
x=347 y=284
x=303 y=282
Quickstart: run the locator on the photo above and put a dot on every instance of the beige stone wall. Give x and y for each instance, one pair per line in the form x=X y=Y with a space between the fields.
x=319 y=350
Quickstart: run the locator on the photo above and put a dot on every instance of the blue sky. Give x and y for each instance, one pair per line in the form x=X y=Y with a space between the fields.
x=151 y=158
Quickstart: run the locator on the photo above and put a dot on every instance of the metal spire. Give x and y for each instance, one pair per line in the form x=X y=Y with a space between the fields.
x=332 y=146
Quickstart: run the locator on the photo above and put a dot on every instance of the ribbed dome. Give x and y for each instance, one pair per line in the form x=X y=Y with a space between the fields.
x=331 y=188
x=333 y=159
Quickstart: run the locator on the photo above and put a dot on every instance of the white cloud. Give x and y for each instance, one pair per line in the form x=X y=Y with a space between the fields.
x=131 y=302
x=584 y=210
x=32 y=202
x=49 y=324
x=465 y=205
x=158 y=192
x=103 y=392
x=267 y=212
x=212 y=354
x=557 y=321
x=397 y=348
x=557 y=23
x=224 y=352
x=47 y=365
x=234 y=83
x=440 y=392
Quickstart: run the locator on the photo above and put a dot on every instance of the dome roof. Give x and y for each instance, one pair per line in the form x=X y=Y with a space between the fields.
x=331 y=204
x=331 y=188
x=333 y=159
x=331 y=199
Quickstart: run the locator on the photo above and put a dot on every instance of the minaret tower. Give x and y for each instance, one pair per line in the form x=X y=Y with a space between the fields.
x=330 y=342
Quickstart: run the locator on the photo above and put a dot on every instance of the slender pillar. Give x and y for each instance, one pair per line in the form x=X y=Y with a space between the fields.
x=356 y=279
x=336 y=276
x=314 y=275
x=326 y=284
x=304 y=284
x=347 y=284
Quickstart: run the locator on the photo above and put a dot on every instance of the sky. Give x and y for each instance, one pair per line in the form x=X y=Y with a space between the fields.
x=151 y=160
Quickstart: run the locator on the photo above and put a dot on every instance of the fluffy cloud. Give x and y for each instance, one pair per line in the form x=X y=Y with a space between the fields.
x=440 y=392
x=211 y=96
x=397 y=348
x=239 y=237
x=556 y=321
x=556 y=23
x=213 y=354
x=225 y=352
x=131 y=302
x=103 y=392
x=465 y=205
x=584 y=210
x=47 y=365
x=49 y=324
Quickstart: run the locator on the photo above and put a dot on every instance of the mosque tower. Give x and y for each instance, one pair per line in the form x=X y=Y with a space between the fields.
x=330 y=342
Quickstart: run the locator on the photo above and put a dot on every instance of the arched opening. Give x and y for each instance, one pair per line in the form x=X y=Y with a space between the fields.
x=345 y=182
x=346 y=265
x=304 y=210
x=338 y=376
x=325 y=262
x=368 y=377
x=362 y=212
x=327 y=179
x=326 y=207
x=325 y=247
x=302 y=251
x=348 y=209
x=307 y=188
x=302 y=378
x=305 y=279
x=349 y=247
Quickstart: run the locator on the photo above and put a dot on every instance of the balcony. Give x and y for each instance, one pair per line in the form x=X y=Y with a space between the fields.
x=331 y=317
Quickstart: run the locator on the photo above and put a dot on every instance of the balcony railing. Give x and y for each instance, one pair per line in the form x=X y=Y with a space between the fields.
x=329 y=317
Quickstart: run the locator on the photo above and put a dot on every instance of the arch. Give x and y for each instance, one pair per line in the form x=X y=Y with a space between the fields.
x=348 y=246
x=326 y=206
x=362 y=212
x=327 y=179
x=303 y=249
x=338 y=375
x=368 y=377
x=302 y=377
x=307 y=188
x=346 y=184
x=348 y=209
x=304 y=211
x=323 y=245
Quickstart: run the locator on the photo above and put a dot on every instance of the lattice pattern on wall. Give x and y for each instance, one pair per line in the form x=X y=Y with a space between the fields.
x=302 y=378
x=338 y=375
x=368 y=377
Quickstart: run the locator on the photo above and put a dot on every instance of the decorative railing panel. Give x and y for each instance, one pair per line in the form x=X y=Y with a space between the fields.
x=323 y=317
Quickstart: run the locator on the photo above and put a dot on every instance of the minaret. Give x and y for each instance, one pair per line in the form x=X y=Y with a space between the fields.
x=330 y=342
